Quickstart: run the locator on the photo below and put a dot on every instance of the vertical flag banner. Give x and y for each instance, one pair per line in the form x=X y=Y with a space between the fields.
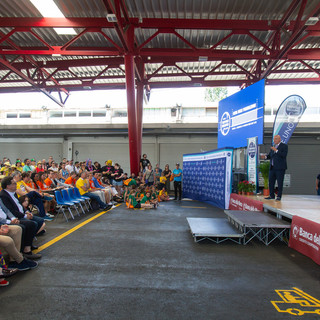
x=252 y=161
x=208 y=176
x=288 y=116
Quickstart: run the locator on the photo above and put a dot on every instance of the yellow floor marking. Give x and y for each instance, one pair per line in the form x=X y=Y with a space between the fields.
x=194 y=207
x=296 y=302
x=51 y=242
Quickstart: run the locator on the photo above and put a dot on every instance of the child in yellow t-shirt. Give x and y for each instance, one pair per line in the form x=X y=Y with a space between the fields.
x=163 y=194
x=162 y=180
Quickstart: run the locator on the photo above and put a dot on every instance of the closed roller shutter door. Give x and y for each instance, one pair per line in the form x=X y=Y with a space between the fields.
x=304 y=166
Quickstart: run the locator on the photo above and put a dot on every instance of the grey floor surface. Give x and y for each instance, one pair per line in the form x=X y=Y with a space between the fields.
x=144 y=264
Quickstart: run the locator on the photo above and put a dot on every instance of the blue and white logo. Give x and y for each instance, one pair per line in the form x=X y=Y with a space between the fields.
x=225 y=123
x=294 y=108
x=252 y=149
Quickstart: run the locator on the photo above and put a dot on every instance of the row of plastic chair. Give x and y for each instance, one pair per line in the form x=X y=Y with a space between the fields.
x=71 y=199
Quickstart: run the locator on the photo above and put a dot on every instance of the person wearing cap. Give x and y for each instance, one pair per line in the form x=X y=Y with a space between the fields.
x=39 y=167
x=177 y=181
x=107 y=170
x=18 y=165
x=33 y=165
x=6 y=169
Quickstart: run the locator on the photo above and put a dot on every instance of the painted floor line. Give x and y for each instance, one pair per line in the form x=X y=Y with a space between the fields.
x=63 y=235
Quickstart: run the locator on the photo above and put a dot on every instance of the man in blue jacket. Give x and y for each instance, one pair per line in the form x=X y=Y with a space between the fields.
x=278 y=166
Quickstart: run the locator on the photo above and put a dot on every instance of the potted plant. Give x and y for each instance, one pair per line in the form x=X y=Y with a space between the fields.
x=240 y=187
x=264 y=169
x=251 y=188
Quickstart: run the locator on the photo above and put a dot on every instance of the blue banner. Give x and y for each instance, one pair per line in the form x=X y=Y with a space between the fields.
x=241 y=116
x=208 y=176
x=288 y=117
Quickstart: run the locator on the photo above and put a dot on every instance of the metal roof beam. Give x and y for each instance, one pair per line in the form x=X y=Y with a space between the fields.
x=299 y=28
x=35 y=85
x=153 y=23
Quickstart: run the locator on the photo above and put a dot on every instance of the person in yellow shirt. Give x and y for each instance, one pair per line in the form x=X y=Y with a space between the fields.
x=6 y=169
x=84 y=188
x=163 y=194
x=162 y=181
x=34 y=196
x=19 y=166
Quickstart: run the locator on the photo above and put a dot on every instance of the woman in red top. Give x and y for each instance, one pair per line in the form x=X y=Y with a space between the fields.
x=39 y=167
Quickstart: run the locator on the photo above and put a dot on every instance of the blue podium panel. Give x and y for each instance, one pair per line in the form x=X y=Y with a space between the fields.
x=207 y=176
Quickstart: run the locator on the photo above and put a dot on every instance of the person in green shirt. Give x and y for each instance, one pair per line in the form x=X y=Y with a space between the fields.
x=147 y=199
x=136 y=204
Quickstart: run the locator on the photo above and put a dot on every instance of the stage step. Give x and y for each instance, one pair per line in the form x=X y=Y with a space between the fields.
x=214 y=229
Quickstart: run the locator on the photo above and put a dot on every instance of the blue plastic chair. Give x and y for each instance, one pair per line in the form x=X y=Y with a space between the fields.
x=73 y=198
x=78 y=195
x=83 y=199
x=74 y=203
x=62 y=204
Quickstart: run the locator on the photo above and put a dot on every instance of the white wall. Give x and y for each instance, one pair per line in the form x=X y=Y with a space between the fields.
x=303 y=157
x=162 y=150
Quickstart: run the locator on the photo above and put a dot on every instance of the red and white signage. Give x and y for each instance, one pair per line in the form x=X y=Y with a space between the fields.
x=305 y=237
x=238 y=202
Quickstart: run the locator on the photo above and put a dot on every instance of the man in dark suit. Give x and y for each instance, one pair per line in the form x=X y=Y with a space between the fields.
x=278 y=166
x=10 y=201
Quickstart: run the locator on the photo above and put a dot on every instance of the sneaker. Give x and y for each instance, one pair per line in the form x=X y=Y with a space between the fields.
x=47 y=218
x=4 y=283
x=278 y=199
x=31 y=255
x=31 y=264
x=49 y=215
x=22 y=266
x=41 y=233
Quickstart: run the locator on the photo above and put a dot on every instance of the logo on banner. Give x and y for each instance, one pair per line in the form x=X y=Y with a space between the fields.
x=295 y=232
x=225 y=123
x=293 y=108
x=252 y=149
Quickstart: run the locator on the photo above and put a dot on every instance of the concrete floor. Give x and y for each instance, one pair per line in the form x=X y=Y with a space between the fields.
x=144 y=264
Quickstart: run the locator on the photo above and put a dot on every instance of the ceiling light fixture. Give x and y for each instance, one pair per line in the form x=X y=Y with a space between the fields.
x=111 y=17
x=49 y=9
x=203 y=59
x=312 y=21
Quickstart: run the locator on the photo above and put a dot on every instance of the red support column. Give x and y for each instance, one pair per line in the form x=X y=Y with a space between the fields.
x=132 y=114
x=139 y=116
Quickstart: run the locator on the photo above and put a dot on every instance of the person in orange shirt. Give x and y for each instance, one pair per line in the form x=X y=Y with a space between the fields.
x=72 y=179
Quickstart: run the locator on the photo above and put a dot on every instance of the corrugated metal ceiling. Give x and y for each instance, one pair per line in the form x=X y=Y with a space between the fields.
x=161 y=9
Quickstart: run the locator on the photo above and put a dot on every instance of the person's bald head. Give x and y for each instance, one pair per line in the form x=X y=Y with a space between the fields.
x=276 y=139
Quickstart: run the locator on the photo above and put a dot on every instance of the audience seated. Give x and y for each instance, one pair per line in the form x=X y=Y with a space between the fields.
x=13 y=212
x=34 y=196
x=84 y=189
x=10 y=241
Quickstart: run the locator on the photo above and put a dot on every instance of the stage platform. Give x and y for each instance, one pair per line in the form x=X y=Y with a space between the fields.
x=260 y=225
x=214 y=229
x=304 y=206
